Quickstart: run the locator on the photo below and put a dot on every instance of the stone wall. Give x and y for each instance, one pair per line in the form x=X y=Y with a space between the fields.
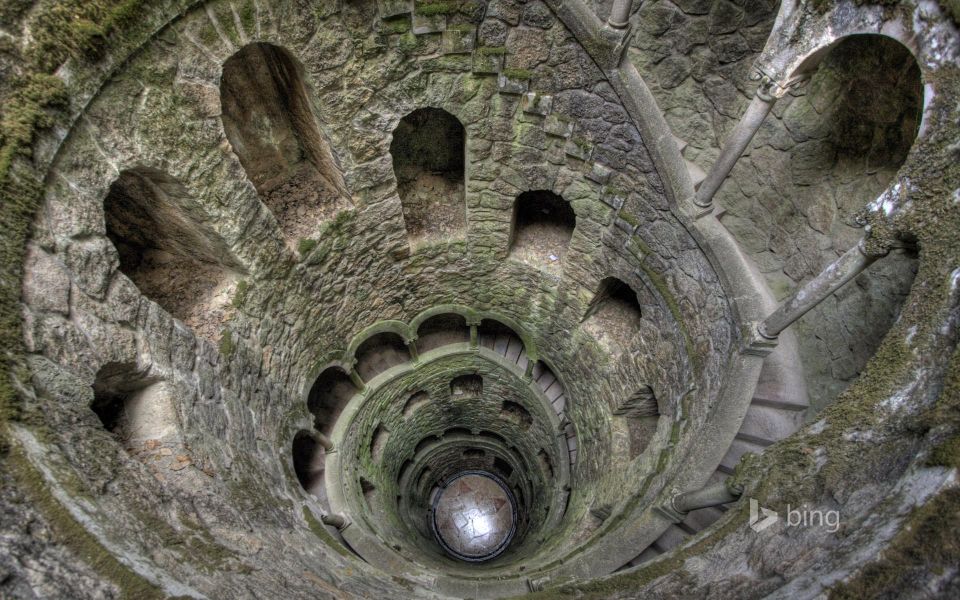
x=828 y=149
x=537 y=117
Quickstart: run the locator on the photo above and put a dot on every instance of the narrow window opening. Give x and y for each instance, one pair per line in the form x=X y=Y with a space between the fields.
x=545 y=463
x=379 y=353
x=328 y=396
x=169 y=251
x=378 y=443
x=308 y=462
x=502 y=467
x=543 y=225
x=428 y=161
x=368 y=489
x=136 y=408
x=466 y=386
x=614 y=316
x=273 y=129
x=414 y=402
x=517 y=414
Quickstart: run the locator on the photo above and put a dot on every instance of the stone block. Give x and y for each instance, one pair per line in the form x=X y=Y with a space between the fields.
x=423 y=24
x=599 y=173
x=486 y=62
x=580 y=149
x=511 y=85
x=458 y=40
x=537 y=104
x=558 y=126
x=394 y=8
x=624 y=225
x=611 y=199
x=46 y=284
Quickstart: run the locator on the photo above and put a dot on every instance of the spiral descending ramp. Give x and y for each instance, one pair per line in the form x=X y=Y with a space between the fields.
x=480 y=299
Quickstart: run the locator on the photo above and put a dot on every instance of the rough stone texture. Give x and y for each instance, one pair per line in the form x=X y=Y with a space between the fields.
x=827 y=150
x=219 y=513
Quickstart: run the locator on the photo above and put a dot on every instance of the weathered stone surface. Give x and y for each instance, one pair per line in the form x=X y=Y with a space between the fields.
x=213 y=506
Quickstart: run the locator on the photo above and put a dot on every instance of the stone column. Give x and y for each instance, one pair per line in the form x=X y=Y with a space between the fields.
x=752 y=119
x=358 y=382
x=474 y=325
x=325 y=442
x=713 y=495
x=677 y=507
x=815 y=291
x=412 y=348
x=339 y=521
x=620 y=14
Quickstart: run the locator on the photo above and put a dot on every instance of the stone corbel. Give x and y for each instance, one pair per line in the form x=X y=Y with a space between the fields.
x=412 y=348
x=338 y=520
x=769 y=89
x=679 y=505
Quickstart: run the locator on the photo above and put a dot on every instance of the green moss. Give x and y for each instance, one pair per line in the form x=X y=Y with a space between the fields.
x=519 y=74
x=27 y=111
x=952 y=8
x=408 y=43
x=305 y=246
x=11 y=11
x=395 y=26
x=946 y=454
x=672 y=305
x=436 y=8
x=928 y=543
x=72 y=535
x=321 y=532
x=227 y=345
x=248 y=16
x=241 y=294
x=629 y=218
x=78 y=29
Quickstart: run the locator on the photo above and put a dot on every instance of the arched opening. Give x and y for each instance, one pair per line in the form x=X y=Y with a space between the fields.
x=441 y=330
x=839 y=144
x=380 y=352
x=543 y=224
x=169 y=251
x=614 y=316
x=640 y=413
x=134 y=407
x=515 y=413
x=308 y=462
x=467 y=386
x=414 y=402
x=329 y=394
x=271 y=124
x=428 y=161
x=378 y=442
x=503 y=340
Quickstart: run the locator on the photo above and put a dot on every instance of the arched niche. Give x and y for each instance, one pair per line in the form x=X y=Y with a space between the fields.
x=269 y=118
x=614 y=316
x=639 y=414
x=137 y=409
x=168 y=249
x=466 y=386
x=428 y=161
x=380 y=352
x=441 y=330
x=308 y=462
x=329 y=394
x=839 y=143
x=502 y=339
x=543 y=225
